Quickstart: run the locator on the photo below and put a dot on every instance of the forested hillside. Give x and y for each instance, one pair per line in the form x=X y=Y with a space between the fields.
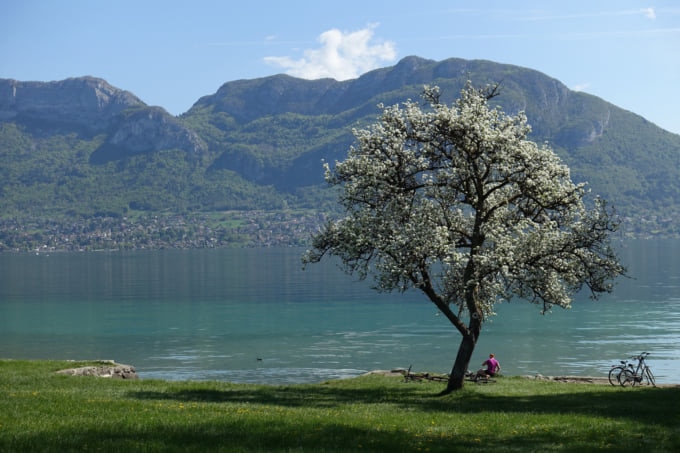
x=86 y=165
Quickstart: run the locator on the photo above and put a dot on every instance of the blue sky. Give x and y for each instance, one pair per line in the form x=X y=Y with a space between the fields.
x=170 y=53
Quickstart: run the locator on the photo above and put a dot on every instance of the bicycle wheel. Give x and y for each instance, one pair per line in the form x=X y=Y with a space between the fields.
x=650 y=376
x=627 y=377
x=615 y=375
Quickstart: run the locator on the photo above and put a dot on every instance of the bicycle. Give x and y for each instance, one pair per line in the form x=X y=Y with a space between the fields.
x=635 y=375
x=616 y=371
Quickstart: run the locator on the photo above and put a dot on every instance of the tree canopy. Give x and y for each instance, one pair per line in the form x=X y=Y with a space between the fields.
x=455 y=201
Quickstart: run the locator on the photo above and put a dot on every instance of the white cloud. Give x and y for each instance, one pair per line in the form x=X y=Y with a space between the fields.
x=342 y=56
x=649 y=13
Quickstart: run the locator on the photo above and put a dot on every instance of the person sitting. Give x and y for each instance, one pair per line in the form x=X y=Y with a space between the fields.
x=492 y=368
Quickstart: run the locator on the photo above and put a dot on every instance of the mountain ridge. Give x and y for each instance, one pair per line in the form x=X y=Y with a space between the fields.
x=568 y=120
x=83 y=149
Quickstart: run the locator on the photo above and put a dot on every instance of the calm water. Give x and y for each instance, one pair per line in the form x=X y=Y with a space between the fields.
x=255 y=316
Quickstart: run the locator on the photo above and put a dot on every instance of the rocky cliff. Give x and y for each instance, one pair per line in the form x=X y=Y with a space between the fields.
x=147 y=130
x=90 y=106
x=85 y=103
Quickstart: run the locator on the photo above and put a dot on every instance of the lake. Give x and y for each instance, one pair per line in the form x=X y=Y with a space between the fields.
x=253 y=315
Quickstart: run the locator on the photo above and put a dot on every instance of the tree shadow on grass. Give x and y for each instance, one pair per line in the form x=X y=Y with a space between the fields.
x=241 y=418
x=260 y=429
x=287 y=396
x=648 y=405
x=281 y=436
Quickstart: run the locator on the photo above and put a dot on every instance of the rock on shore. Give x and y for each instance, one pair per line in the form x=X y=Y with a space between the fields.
x=105 y=369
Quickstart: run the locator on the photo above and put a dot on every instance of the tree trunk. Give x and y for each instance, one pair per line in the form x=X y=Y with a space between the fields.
x=460 y=366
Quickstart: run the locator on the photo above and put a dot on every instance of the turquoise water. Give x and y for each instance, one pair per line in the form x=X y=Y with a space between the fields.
x=253 y=315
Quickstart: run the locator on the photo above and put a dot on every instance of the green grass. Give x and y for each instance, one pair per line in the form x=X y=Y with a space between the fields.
x=43 y=411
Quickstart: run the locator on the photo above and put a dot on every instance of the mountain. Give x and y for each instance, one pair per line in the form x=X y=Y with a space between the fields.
x=589 y=133
x=89 y=106
x=243 y=165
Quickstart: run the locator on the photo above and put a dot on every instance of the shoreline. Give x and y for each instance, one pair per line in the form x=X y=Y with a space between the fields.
x=399 y=372
x=596 y=380
x=110 y=368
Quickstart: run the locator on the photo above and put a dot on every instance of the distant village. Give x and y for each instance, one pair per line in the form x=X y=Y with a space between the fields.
x=210 y=230
x=232 y=229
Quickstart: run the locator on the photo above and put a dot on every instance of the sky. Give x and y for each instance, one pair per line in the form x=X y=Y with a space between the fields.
x=170 y=53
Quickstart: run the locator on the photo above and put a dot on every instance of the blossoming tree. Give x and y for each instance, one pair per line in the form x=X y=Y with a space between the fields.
x=456 y=202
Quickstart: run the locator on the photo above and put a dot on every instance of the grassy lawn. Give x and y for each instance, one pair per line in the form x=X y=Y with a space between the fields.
x=43 y=411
